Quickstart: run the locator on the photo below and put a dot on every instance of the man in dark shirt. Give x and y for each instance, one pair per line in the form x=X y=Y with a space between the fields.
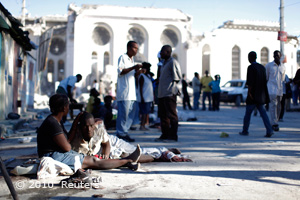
x=186 y=97
x=257 y=94
x=170 y=75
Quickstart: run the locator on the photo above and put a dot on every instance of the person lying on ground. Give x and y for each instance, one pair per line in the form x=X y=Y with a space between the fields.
x=96 y=141
x=54 y=141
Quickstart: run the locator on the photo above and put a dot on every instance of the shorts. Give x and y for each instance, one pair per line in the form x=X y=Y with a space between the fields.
x=145 y=108
x=68 y=158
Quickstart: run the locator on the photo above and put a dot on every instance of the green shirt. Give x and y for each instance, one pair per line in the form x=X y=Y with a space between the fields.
x=205 y=80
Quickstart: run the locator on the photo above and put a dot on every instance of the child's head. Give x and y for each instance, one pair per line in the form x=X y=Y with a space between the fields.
x=217 y=77
x=94 y=92
x=107 y=100
x=97 y=101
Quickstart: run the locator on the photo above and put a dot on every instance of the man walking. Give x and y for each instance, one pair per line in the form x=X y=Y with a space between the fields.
x=126 y=91
x=170 y=75
x=275 y=76
x=257 y=94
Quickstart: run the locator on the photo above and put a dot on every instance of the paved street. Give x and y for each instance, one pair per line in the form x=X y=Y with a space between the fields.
x=236 y=167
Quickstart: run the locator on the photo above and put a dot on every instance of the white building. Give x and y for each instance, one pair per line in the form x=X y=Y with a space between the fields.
x=225 y=50
x=98 y=34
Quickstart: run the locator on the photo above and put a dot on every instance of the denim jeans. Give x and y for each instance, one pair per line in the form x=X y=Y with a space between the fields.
x=208 y=95
x=126 y=113
x=196 y=100
x=136 y=119
x=263 y=114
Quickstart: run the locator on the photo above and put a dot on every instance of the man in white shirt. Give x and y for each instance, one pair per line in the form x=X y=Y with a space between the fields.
x=67 y=85
x=275 y=72
x=126 y=91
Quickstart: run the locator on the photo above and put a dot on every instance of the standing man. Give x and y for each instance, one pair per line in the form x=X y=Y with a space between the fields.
x=275 y=76
x=205 y=80
x=215 y=92
x=170 y=75
x=126 y=91
x=257 y=94
x=196 y=90
x=67 y=85
x=186 y=97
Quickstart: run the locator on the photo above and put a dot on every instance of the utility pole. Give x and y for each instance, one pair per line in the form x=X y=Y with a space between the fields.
x=23 y=12
x=282 y=27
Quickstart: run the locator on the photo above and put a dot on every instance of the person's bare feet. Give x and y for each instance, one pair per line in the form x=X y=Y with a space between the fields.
x=134 y=156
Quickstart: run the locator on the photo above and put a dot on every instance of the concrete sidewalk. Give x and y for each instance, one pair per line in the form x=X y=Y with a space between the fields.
x=237 y=167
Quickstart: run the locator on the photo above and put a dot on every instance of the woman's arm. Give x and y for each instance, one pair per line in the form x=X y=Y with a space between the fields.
x=62 y=142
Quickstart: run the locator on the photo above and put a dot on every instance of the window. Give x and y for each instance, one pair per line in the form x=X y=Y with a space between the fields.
x=169 y=37
x=50 y=71
x=61 y=70
x=264 y=56
x=105 y=61
x=101 y=36
x=136 y=35
x=94 y=63
x=233 y=84
x=58 y=46
x=236 y=63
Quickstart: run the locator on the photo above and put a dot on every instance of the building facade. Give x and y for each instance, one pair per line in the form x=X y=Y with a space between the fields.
x=225 y=50
x=90 y=39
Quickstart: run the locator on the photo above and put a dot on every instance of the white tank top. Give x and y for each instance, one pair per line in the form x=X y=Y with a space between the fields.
x=147 y=89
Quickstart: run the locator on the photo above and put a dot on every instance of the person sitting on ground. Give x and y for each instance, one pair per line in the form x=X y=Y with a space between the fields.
x=105 y=112
x=54 y=141
x=96 y=141
x=93 y=95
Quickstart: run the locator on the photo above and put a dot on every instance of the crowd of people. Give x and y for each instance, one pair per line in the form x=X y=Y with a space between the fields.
x=90 y=146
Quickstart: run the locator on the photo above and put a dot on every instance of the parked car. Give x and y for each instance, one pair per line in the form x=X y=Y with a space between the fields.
x=234 y=91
